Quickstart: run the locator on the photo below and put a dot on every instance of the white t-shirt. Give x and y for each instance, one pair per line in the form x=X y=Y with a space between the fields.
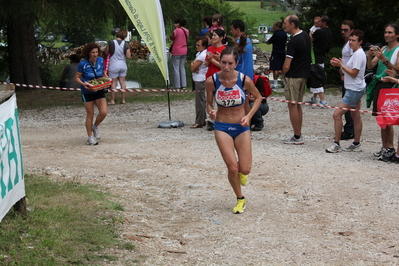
x=200 y=76
x=347 y=52
x=313 y=29
x=357 y=61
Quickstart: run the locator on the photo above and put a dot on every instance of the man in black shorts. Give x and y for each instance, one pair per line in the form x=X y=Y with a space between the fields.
x=279 y=39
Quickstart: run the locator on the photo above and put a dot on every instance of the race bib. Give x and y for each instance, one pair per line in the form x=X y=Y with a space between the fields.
x=229 y=98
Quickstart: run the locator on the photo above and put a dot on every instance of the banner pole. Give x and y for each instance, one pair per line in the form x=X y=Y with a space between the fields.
x=167 y=87
x=169 y=123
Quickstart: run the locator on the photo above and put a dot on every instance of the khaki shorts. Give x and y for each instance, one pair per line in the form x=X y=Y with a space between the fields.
x=295 y=89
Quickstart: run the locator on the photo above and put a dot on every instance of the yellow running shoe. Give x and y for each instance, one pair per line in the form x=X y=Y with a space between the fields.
x=243 y=178
x=240 y=207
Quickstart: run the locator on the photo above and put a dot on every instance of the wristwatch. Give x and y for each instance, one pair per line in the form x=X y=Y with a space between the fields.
x=385 y=62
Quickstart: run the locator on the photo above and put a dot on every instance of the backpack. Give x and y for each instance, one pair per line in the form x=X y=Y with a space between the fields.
x=318 y=77
x=266 y=90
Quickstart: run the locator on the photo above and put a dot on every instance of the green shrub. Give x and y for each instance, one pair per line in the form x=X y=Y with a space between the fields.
x=149 y=74
x=332 y=72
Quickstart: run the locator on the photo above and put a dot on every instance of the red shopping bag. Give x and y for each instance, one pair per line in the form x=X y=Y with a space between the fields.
x=388 y=106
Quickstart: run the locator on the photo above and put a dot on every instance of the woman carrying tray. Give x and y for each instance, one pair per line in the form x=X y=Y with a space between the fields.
x=92 y=67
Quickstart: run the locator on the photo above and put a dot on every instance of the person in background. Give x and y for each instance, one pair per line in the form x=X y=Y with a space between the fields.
x=199 y=70
x=355 y=88
x=244 y=47
x=207 y=23
x=213 y=53
x=228 y=88
x=257 y=121
x=347 y=27
x=217 y=22
x=179 y=53
x=213 y=59
x=69 y=73
x=321 y=45
x=208 y=35
x=315 y=27
x=119 y=51
x=296 y=69
x=279 y=40
x=92 y=67
x=385 y=58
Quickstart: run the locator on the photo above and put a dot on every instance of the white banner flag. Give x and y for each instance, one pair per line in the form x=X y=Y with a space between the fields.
x=147 y=17
x=12 y=186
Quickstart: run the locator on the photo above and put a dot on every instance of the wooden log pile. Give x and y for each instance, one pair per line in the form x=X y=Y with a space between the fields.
x=138 y=51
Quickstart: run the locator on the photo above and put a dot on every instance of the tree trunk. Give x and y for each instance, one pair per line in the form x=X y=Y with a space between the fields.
x=24 y=66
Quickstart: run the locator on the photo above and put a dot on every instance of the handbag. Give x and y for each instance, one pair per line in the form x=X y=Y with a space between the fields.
x=318 y=77
x=388 y=105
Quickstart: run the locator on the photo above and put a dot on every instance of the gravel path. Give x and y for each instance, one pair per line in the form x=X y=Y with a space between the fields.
x=304 y=206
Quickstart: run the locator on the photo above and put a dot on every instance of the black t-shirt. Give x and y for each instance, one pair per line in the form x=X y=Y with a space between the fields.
x=299 y=50
x=278 y=40
x=321 y=44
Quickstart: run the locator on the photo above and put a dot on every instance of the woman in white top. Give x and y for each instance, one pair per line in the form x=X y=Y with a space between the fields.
x=117 y=70
x=199 y=70
x=355 y=88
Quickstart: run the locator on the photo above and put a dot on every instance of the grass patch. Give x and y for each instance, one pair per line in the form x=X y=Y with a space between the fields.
x=67 y=224
x=265 y=16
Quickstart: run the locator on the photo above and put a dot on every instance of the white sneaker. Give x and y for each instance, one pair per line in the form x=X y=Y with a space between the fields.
x=96 y=132
x=91 y=141
x=353 y=147
x=334 y=148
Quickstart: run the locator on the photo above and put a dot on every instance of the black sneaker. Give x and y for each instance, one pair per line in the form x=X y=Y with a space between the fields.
x=392 y=159
x=387 y=154
x=209 y=125
x=257 y=128
x=346 y=136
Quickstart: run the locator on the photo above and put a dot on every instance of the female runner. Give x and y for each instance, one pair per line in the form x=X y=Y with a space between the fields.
x=229 y=89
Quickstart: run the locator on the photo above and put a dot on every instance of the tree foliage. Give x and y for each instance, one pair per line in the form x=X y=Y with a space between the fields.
x=81 y=21
x=194 y=11
x=20 y=16
x=369 y=16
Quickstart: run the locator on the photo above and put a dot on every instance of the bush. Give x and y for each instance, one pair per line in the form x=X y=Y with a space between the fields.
x=332 y=72
x=149 y=75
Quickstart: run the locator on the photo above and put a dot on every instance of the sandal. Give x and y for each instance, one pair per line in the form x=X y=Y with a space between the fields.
x=197 y=126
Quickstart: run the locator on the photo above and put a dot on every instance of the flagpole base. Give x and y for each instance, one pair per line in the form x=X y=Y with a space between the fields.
x=171 y=124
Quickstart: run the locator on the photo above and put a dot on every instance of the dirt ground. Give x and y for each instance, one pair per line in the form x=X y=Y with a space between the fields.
x=304 y=206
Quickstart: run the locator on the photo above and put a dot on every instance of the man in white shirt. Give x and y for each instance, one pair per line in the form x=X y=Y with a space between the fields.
x=347 y=27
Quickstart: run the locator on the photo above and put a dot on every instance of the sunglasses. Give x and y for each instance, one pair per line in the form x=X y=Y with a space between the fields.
x=344 y=30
